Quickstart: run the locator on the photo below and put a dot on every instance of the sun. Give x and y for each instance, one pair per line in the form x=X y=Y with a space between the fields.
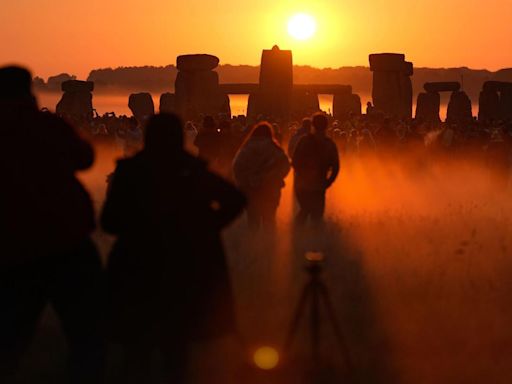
x=302 y=26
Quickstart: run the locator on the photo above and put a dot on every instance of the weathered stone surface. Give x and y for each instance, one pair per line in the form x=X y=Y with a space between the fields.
x=344 y=105
x=195 y=84
x=141 y=105
x=76 y=102
x=199 y=93
x=76 y=106
x=252 y=104
x=304 y=104
x=225 y=107
x=197 y=90
x=392 y=87
x=459 y=108
x=270 y=104
x=408 y=69
x=274 y=96
x=506 y=104
x=387 y=62
x=445 y=86
x=77 y=86
x=167 y=103
x=489 y=106
x=497 y=86
x=427 y=107
x=495 y=101
x=386 y=93
x=276 y=69
x=199 y=62
x=406 y=93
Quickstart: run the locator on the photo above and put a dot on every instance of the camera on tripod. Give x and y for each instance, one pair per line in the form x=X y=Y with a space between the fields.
x=314 y=296
x=314 y=261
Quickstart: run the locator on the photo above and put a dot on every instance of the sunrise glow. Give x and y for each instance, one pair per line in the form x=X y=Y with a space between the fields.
x=302 y=26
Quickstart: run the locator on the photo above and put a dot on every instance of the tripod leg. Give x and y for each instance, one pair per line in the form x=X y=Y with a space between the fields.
x=315 y=323
x=336 y=328
x=296 y=316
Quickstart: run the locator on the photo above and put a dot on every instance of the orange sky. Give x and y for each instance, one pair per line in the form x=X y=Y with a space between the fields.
x=53 y=36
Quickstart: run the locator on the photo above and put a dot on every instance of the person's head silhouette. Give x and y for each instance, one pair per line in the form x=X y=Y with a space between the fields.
x=263 y=130
x=164 y=135
x=320 y=123
x=15 y=84
x=306 y=124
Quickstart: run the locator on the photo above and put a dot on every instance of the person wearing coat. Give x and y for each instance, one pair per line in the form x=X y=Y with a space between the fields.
x=167 y=274
x=47 y=217
x=260 y=168
x=316 y=164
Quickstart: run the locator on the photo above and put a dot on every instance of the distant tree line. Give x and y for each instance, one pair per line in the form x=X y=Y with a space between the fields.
x=161 y=79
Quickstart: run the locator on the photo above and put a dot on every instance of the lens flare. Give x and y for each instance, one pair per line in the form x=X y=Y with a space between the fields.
x=266 y=358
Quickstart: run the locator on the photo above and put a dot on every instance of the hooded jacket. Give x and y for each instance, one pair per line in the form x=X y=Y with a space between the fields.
x=260 y=162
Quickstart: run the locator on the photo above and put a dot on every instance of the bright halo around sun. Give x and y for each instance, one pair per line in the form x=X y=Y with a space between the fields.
x=302 y=26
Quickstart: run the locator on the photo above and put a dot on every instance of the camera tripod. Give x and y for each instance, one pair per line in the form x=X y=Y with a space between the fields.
x=315 y=293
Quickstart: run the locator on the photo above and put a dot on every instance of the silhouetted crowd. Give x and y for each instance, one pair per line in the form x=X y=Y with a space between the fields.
x=166 y=282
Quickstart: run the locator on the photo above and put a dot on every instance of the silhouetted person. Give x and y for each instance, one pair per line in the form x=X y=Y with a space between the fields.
x=208 y=141
x=260 y=167
x=304 y=129
x=168 y=278
x=370 y=109
x=46 y=219
x=316 y=166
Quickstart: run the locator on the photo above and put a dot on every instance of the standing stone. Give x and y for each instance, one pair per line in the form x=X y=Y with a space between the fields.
x=489 y=106
x=506 y=103
x=274 y=97
x=252 y=105
x=495 y=101
x=406 y=95
x=427 y=107
x=167 y=103
x=459 y=108
x=344 y=105
x=197 y=90
x=392 y=86
x=304 y=103
x=76 y=102
x=141 y=105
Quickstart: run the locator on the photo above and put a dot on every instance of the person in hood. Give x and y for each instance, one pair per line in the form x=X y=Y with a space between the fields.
x=168 y=277
x=259 y=169
x=45 y=225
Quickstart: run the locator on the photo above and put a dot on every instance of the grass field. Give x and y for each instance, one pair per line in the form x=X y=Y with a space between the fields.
x=419 y=268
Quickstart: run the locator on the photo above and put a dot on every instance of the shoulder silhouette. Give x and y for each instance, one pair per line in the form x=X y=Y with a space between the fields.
x=168 y=277
x=47 y=217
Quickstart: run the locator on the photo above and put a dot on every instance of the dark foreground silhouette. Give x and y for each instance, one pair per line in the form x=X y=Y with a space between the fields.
x=45 y=221
x=168 y=277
